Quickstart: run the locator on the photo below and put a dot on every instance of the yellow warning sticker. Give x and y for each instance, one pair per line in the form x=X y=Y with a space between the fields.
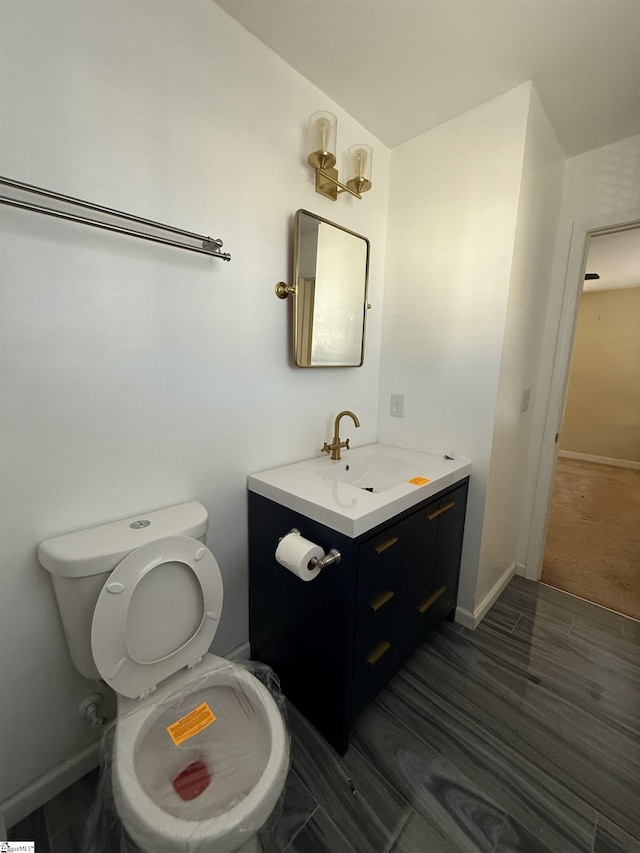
x=192 y=723
x=418 y=481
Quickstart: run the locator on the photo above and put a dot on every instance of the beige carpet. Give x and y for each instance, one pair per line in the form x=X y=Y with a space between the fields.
x=593 y=537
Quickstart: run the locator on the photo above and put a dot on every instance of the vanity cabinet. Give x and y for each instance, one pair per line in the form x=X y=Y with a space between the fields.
x=335 y=641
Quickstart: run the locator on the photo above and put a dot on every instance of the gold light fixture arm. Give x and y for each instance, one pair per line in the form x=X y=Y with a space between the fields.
x=336 y=187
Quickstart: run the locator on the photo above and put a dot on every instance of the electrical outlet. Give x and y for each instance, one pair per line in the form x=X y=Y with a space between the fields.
x=397 y=405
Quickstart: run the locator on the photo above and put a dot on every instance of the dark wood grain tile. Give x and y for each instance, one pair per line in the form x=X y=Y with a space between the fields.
x=598 y=761
x=549 y=599
x=297 y=808
x=70 y=839
x=321 y=835
x=503 y=617
x=577 y=668
x=356 y=796
x=418 y=836
x=448 y=721
x=492 y=686
x=32 y=828
x=610 y=838
x=623 y=647
x=103 y=829
x=631 y=629
x=539 y=600
x=536 y=601
x=515 y=838
x=75 y=800
x=457 y=812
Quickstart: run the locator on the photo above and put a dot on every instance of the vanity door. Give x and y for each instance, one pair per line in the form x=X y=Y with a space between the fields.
x=432 y=577
x=449 y=549
x=419 y=580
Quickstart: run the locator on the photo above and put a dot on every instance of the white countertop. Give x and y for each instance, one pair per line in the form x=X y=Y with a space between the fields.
x=349 y=509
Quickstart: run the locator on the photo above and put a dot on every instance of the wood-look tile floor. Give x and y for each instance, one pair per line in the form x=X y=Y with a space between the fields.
x=523 y=735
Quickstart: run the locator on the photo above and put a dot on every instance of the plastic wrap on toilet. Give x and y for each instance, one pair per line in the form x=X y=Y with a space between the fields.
x=199 y=761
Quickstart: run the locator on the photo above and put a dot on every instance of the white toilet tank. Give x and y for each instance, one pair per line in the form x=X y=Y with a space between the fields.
x=81 y=562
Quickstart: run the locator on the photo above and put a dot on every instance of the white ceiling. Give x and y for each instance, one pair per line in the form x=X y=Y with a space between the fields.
x=616 y=259
x=402 y=67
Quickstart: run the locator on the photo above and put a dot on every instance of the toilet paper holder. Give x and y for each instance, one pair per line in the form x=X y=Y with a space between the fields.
x=334 y=556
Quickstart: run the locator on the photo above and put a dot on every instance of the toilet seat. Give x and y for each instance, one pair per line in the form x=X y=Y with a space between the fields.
x=157 y=613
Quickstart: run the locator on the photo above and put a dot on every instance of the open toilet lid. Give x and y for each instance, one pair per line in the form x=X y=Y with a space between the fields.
x=157 y=613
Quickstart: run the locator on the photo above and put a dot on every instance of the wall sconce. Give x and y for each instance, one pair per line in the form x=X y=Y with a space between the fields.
x=322 y=145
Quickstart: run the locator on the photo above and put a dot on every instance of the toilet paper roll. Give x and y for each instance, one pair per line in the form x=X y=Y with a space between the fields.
x=294 y=552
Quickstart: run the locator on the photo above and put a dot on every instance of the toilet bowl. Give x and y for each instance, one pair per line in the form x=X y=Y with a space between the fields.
x=245 y=751
x=201 y=751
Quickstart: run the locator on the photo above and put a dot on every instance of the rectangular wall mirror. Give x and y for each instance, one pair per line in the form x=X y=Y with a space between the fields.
x=331 y=272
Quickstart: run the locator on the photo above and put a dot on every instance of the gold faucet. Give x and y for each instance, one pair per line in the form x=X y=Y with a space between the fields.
x=336 y=444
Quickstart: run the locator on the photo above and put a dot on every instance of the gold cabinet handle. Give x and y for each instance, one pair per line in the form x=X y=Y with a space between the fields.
x=381 y=649
x=380 y=600
x=384 y=545
x=426 y=604
x=442 y=509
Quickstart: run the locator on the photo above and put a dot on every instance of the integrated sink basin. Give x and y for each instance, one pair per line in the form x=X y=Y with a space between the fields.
x=371 y=473
x=368 y=486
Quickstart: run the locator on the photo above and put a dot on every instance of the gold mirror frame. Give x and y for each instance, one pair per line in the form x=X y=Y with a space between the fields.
x=331 y=280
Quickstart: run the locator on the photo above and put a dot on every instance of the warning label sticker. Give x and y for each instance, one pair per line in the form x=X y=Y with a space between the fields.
x=418 y=481
x=192 y=723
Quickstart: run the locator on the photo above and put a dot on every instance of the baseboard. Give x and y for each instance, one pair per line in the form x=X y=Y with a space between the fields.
x=241 y=652
x=465 y=618
x=49 y=785
x=600 y=460
x=471 y=619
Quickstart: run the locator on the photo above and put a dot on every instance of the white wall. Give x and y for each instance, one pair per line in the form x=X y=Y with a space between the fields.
x=600 y=184
x=136 y=376
x=512 y=480
x=453 y=211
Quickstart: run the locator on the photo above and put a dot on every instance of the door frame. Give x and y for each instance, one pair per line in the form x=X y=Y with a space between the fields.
x=581 y=234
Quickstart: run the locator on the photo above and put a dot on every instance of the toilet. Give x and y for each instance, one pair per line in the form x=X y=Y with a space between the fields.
x=201 y=751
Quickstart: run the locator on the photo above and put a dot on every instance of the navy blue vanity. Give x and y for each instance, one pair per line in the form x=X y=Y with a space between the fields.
x=335 y=641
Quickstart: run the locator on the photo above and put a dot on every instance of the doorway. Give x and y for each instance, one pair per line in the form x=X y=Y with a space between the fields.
x=581 y=236
x=592 y=547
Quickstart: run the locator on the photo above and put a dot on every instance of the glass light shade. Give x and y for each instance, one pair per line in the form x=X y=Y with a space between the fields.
x=322 y=140
x=360 y=162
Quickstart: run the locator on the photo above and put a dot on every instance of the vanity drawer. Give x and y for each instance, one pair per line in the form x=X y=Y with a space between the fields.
x=382 y=559
x=372 y=669
x=390 y=558
x=377 y=615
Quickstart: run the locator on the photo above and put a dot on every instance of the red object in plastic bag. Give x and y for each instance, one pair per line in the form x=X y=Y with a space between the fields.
x=193 y=780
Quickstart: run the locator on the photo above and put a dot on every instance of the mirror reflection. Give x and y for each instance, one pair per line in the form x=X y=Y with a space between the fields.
x=330 y=304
